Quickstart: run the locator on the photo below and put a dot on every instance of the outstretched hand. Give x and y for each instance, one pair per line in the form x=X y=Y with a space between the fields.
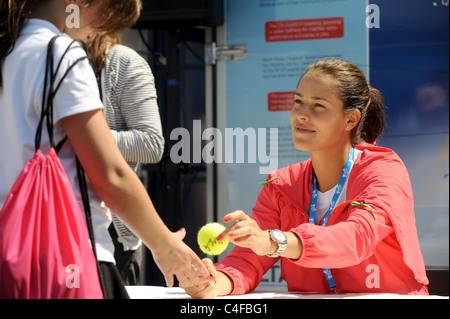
x=179 y=260
x=205 y=289
x=245 y=232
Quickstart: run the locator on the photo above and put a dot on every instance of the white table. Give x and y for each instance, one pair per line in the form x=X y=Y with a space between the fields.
x=152 y=292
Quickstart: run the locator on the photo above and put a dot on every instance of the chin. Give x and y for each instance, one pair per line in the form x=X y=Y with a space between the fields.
x=301 y=146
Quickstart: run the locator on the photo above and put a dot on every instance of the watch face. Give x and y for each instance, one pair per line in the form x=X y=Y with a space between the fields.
x=278 y=236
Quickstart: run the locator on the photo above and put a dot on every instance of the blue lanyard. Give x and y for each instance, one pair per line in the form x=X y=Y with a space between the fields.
x=312 y=212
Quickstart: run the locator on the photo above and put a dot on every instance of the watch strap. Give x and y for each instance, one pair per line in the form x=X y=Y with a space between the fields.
x=281 y=245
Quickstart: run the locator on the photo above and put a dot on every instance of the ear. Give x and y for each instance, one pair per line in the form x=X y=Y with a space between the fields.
x=352 y=119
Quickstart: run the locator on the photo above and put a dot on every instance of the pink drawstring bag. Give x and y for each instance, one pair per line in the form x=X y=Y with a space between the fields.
x=44 y=242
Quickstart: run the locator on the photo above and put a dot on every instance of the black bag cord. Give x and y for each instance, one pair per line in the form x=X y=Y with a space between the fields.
x=47 y=98
x=47 y=112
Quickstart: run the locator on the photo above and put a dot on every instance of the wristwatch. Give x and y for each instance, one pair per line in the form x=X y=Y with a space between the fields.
x=280 y=238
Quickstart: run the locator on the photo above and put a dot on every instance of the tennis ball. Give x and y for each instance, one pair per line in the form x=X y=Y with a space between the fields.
x=207 y=239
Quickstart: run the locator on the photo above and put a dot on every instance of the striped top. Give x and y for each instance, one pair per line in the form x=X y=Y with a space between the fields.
x=132 y=113
x=131 y=108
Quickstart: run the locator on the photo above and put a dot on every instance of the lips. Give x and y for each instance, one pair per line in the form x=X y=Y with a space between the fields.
x=303 y=129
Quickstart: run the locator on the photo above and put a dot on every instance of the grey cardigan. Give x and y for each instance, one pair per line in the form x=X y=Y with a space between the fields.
x=132 y=113
x=131 y=108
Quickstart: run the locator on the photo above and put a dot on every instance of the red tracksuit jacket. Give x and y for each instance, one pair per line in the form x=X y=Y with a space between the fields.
x=365 y=254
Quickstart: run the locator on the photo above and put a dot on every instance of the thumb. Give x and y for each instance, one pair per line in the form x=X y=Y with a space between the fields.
x=181 y=233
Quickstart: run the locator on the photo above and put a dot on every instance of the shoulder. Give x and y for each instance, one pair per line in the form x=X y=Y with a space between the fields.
x=69 y=48
x=123 y=55
x=292 y=182
x=37 y=34
x=378 y=158
x=69 y=55
x=125 y=65
x=377 y=169
x=290 y=174
x=78 y=93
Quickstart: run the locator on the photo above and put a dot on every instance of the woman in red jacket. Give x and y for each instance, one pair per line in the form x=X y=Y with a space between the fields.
x=342 y=221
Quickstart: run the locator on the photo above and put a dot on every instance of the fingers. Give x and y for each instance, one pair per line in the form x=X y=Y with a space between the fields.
x=192 y=274
x=236 y=216
x=211 y=269
x=200 y=267
x=209 y=266
x=206 y=287
x=188 y=277
x=169 y=280
x=202 y=278
x=211 y=272
x=182 y=262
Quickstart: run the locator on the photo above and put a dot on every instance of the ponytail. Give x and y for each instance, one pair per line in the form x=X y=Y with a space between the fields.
x=13 y=14
x=373 y=120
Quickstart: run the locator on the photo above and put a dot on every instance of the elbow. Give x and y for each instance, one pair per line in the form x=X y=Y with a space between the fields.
x=159 y=149
x=155 y=148
x=109 y=184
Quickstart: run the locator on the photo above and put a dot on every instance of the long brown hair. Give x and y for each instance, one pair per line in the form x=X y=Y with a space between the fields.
x=355 y=93
x=99 y=44
x=119 y=15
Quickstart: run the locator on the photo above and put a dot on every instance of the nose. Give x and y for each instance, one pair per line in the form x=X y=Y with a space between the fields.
x=304 y=116
x=301 y=113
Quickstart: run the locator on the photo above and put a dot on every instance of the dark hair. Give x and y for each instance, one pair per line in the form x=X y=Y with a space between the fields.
x=119 y=15
x=12 y=18
x=355 y=93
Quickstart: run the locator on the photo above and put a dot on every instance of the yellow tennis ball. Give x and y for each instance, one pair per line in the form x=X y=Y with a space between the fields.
x=207 y=239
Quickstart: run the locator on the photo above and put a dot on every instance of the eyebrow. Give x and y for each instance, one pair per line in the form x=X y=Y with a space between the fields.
x=314 y=97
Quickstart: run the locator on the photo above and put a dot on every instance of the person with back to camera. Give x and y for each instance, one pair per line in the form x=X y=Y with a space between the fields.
x=131 y=111
x=26 y=28
x=360 y=192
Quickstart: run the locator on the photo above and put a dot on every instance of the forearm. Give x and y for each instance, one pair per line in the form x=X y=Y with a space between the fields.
x=294 y=247
x=343 y=244
x=224 y=285
x=140 y=146
x=130 y=202
x=112 y=179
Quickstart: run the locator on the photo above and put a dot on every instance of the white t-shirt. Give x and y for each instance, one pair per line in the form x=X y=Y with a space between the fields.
x=20 y=108
x=324 y=199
